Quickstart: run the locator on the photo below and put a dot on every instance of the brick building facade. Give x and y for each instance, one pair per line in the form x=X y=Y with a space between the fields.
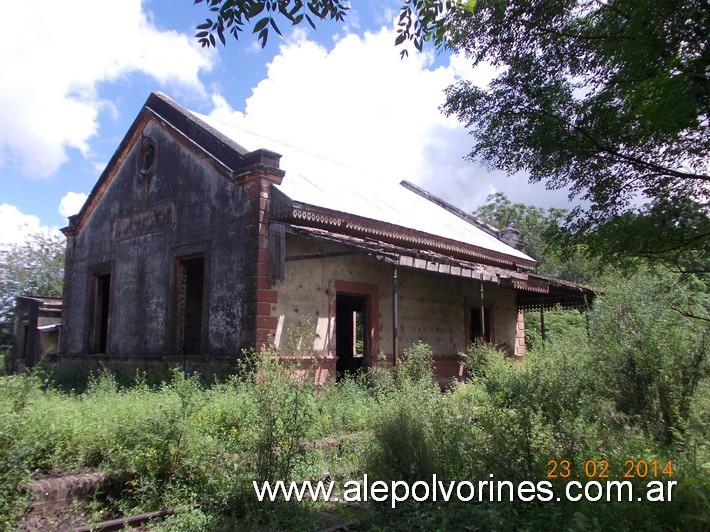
x=191 y=248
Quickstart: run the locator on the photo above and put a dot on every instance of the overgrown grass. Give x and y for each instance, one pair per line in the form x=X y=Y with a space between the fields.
x=198 y=448
x=179 y=444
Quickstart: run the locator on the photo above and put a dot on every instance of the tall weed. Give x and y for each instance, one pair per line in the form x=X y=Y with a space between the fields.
x=404 y=446
x=282 y=417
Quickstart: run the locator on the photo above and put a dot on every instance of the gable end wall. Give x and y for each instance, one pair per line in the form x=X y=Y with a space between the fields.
x=141 y=225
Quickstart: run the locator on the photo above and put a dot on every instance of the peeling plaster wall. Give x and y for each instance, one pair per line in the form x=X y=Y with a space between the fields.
x=304 y=291
x=431 y=307
x=205 y=214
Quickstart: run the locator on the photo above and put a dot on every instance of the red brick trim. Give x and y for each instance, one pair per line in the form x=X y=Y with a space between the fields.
x=259 y=325
x=266 y=296
x=520 y=334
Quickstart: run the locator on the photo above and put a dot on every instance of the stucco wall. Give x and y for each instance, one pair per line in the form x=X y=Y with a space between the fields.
x=432 y=307
x=205 y=214
x=305 y=289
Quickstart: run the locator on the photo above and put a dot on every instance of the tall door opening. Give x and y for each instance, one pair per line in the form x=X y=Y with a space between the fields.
x=191 y=281
x=481 y=331
x=101 y=309
x=352 y=340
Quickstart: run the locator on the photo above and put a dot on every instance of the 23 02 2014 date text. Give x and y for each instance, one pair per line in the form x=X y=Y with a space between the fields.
x=601 y=469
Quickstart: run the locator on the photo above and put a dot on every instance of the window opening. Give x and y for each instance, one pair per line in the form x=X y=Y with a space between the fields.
x=191 y=276
x=476 y=333
x=147 y=156
x=101 y=309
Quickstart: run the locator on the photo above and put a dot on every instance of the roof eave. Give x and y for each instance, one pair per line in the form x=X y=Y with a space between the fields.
x=533 y=291
x=298 y=213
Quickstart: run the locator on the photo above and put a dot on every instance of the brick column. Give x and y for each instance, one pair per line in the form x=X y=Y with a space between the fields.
x=257 y=178
x=520 y=334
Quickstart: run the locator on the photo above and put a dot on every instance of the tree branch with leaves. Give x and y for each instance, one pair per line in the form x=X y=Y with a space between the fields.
x=419 y=20
x=610 y=100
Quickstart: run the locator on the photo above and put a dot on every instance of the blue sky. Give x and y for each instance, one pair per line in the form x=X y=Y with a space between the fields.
x=76 y=72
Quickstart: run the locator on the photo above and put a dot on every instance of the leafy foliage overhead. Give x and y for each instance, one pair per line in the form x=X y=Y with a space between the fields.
x=419 y=20
x=610 y=99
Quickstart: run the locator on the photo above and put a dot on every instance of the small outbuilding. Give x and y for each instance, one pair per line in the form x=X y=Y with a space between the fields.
x=192 y=248
x=35 y=331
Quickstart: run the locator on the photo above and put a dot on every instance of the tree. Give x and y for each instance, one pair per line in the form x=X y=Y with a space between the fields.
x=419 y=20
x=649 y=333
x=608 y=98
x=542 y=232
x=35 y=267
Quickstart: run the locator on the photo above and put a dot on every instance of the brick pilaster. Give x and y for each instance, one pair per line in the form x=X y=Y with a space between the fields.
x=259 y=324
x=520 y=334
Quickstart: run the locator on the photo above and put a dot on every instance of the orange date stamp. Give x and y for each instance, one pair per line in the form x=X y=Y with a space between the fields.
x=600 y=469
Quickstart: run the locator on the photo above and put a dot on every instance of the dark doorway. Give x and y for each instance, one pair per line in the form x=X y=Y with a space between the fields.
x=191 y=280
x=351 y=334
x=101 y=309
x=481 y=332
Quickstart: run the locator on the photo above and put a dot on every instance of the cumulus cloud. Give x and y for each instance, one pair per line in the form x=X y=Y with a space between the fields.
x=71 y=203
x=359 y=104
x=17 y=226
x=54 y=56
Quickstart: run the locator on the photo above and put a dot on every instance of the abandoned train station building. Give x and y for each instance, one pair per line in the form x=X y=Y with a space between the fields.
x=192 y=248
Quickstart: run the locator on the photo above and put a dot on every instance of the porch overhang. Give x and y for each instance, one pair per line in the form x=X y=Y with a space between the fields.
x=547 y=293
x=533 y=291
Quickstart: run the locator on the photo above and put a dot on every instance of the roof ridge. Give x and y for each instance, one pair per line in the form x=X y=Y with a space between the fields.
x=480 y=224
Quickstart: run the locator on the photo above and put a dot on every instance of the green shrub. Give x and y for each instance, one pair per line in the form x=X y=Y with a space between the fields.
x=345 y=406
x=511 y=416
x=417 y=364
x=634 y=387
x=403 y=446
x=481 y=362
x=282 y=416
x=648 y=335
x=559 y=324
x=18 y=444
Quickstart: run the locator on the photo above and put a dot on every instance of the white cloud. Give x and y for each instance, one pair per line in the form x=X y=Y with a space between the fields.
x=16 y=225
x=358 y=104
x=361 y=105
x=71 y=203
x=54 y=56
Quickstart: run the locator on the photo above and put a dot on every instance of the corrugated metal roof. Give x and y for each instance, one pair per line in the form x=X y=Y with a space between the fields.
x=315 y=180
